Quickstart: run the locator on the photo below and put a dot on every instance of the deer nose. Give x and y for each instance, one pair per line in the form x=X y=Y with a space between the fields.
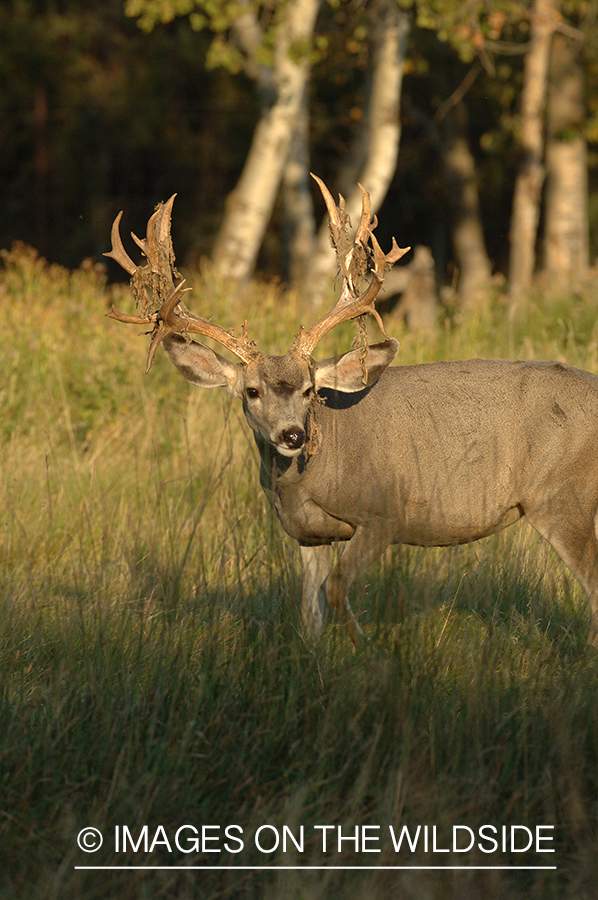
x=293 y=438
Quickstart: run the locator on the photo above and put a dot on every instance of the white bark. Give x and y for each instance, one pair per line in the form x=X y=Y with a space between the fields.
x=299 y=211
x=567 y=238
x=249 y=206
x=528 y=186
x=467 y=232
x=567 y=227
x=384 y=130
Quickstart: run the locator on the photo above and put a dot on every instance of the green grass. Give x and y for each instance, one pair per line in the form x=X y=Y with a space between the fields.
x=152 y=670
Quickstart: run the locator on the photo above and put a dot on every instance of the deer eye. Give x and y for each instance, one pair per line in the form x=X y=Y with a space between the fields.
x=253 y=393
x=308 y=392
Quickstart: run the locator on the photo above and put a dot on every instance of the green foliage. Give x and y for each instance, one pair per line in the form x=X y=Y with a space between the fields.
x=219 y=18
x=215 y=15
x=476 y=27
x=467 y=26
x=151 y=669
x=223 y=54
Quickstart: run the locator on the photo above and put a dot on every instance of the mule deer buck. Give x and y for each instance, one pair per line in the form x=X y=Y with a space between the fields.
x=352 y=450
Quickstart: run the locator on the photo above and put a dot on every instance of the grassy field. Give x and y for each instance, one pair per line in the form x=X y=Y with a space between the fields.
x=152 y=671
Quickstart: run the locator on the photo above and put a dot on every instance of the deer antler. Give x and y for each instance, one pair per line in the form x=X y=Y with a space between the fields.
x=355 y=260
x=159 y=275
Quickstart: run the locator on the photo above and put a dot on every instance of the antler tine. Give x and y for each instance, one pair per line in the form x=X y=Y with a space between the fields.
x=164 y=229
x=365 y=223
x=148 y=245
x=150 y=240
x=172 y=317
x=157 y=233
x=355 y=259
x=118 y=252
x=164 y=320
x=396 y=252
x=333 y=209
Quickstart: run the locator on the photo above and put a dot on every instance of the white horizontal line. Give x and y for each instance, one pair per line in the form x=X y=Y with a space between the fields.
x=308 y=868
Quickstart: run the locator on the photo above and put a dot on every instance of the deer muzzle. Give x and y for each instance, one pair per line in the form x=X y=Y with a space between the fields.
x=291 y=441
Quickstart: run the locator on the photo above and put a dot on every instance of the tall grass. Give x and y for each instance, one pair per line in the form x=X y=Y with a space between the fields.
x=151 y=666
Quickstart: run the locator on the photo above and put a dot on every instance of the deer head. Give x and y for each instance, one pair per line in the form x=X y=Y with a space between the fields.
x=277 y=391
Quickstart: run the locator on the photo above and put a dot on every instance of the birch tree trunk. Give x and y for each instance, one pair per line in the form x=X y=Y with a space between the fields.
x=567 y=227
x=384 y=130
x=528 y=186
x=298 y=206
x=249 y=206
x=467 y=232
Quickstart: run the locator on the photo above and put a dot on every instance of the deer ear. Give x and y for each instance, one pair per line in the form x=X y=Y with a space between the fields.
x=345 y=373
x=202 y=366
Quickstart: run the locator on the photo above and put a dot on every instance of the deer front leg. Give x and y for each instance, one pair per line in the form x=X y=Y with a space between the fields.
x=316 y=563
x=363 y=549
x=573 y=533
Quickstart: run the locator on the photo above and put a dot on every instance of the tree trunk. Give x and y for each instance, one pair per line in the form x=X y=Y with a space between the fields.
x=467 y=233
x=41 y=164
x=566 y=232
x=417 y=282
x=528 y=186
x=249 y=206
x=384 y=129
x=299 y=222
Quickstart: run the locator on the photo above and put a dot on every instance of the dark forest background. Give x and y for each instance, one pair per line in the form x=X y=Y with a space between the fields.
x=98 y=115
